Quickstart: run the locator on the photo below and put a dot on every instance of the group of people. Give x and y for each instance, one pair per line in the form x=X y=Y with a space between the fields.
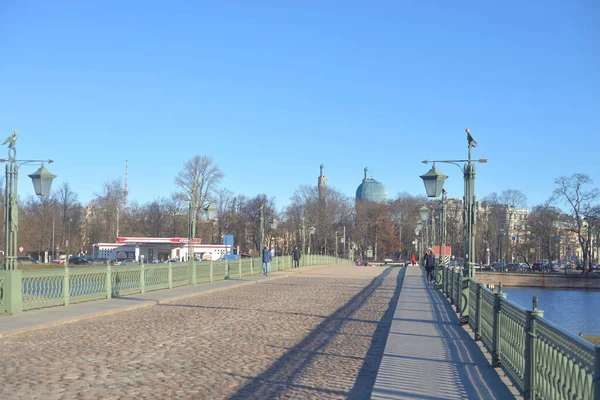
x=267 y=257
x=428 y=264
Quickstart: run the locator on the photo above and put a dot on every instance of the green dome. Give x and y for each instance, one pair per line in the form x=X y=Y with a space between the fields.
x=371 y=190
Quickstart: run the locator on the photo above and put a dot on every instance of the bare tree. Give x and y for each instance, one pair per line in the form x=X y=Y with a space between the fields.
x=66 y=200
x=198 y=180
x=571 y=190
x=106 y=211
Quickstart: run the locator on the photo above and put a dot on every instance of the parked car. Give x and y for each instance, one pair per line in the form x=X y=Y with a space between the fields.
x=499 y=266
x=27 y=260
x=76 y=260
x=536 y=266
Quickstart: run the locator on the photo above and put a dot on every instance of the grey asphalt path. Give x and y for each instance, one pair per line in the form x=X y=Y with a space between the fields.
x=428 y=355
x=60 y=315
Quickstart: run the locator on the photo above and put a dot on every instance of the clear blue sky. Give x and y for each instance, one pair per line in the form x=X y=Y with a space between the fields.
x=272 y=89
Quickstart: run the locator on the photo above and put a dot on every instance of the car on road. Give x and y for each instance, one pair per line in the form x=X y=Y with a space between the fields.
x=27 y=260
x=76 y=260
x=537 y=266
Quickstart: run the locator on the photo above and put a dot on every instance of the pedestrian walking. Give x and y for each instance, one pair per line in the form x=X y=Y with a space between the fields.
x=296 y=256
x=413 y=259
x=266 y=259
x=429 y=264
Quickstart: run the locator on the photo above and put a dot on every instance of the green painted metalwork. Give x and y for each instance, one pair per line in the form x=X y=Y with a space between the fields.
x=246 y=264
x=2 y=292
x=487 y=317
x=125 y=280
x=180 y=274
x=156 y=277
x=42 y=288
x=542 y=360
x=564 y=364
x=512 y=320
x=219 y=270
x=472 y=318
x=86 y=284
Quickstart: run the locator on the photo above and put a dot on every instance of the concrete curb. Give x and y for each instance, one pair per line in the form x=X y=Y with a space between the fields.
x=151 y=303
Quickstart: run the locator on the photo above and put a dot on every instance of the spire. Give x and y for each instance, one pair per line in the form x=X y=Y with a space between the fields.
x=322 y=183
x=126 y=192
x=366 y=174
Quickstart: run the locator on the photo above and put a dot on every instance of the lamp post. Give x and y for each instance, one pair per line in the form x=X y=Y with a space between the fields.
x=274 y=223
x=311 y=232
x=262 y=227
x=434 y=183
x=69 y=240
x=42 y=181
x=424 y=213
x=303 y=235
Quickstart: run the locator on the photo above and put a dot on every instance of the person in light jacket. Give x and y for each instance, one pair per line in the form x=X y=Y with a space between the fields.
x=266 y=260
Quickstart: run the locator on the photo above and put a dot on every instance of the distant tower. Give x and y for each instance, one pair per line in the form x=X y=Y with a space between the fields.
x=322 y=183
x=126 y=192
x=366 y=174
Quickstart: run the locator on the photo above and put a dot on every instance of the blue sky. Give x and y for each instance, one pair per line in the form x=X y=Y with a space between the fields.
x=272 y=89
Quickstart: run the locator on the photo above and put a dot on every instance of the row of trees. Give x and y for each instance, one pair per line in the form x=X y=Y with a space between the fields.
x=49 y=223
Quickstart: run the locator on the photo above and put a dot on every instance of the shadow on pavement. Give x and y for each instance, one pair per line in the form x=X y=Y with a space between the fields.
x=283 y=372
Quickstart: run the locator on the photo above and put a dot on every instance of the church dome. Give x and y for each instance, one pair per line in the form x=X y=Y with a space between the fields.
x=371 y=190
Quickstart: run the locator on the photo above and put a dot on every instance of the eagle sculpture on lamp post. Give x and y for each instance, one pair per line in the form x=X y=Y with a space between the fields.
x=472 y=142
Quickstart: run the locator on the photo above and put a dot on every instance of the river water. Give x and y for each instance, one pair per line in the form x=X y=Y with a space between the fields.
x=575 y=310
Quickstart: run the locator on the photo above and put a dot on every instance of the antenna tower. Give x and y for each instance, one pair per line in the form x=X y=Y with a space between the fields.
x=126 y=193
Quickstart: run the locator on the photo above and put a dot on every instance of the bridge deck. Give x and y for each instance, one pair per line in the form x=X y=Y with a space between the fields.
x=317 y=335
x=428 y=355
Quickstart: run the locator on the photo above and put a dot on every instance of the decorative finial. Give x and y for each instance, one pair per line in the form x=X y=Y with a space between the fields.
x=535 y=302
x=11 y=140
x=322 y=169
x=499 y=287
x=366 y=174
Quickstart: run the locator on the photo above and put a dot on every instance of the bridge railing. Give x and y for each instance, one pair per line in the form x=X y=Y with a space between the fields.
x=543 y=360
x=23 y=290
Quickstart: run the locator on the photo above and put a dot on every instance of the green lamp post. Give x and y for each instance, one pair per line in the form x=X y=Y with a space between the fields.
x=434 y=180
x=42 y=182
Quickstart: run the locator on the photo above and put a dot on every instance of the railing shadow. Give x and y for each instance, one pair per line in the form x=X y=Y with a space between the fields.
x=284 y=371
x=475 y=373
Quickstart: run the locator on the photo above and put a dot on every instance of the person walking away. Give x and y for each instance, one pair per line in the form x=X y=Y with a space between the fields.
x=413 y=259
x=429 y=264
x=266 y=259
x=296 y=256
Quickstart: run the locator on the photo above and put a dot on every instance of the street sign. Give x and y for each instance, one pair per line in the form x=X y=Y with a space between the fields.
x=572 y=257
x=21 y=249
x=514 y=238
x=369 y=253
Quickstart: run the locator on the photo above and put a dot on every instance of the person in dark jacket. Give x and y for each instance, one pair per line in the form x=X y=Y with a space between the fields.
x=266 y=260
x=296 y=257
x=429 y=264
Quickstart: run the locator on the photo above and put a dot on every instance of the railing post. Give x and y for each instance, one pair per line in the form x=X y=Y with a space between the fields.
x=170 y=275
x=142 y=277
x=13 y=286
x=226 y=269
x=108 y=281
x=498 y=297
x=277 y=258
x=596 y=382
x=251 y=265
x=66 y=290
x=530 y=356
x=240 y=267
x=211 y=272
x=478 y=312
x=465 y=298
x=193 y=275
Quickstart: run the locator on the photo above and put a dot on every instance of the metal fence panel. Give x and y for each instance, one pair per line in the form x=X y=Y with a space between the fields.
x=42 y=288
x=125 y=280
x=512 y=321
x=86 y=284
x=156 y=277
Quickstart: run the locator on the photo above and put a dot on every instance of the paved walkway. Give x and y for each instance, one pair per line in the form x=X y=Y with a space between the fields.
x=428 y=355
x=318 y=335
x=54 y=316
x=324 y=333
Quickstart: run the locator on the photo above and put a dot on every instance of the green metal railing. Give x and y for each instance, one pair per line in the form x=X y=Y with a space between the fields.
x=543 y=360
x=22 y=290
x=2 y=308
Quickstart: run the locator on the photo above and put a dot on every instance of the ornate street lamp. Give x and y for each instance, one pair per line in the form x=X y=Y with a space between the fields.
x=311 y=232
x=424 y=213
x=469 y=210
x=434 y=182
x=42 y=181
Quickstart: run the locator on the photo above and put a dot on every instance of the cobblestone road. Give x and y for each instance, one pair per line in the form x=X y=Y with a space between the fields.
x=317 y=336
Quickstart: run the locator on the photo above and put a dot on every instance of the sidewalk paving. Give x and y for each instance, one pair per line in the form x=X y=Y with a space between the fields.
x=428 y=355
x=60 y=315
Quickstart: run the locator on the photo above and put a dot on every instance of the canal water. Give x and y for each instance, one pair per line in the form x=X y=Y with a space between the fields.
x=575 y=310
